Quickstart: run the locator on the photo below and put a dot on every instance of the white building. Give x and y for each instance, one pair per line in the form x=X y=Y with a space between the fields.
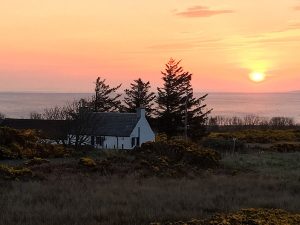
x=112 y=130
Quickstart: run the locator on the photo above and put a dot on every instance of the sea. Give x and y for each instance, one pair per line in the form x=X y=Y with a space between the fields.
x=20 y=105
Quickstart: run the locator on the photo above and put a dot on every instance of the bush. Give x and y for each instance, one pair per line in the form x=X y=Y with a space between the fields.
x=286 y=147
x=259 y=136
x=87 y=162
x=36 y=161
x=27 y=144
x=246 y=216
x=174 y=158
x=8 y=172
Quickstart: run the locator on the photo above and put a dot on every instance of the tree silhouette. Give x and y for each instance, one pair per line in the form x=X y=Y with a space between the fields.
x=178 y=109
x=106 y=99
x=139 y=95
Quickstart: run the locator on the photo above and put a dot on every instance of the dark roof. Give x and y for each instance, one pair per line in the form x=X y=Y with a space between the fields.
x=98 y=124
x=114 y=124
x=49 y=128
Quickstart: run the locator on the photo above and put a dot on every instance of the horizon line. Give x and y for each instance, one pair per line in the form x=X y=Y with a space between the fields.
x=209 y=92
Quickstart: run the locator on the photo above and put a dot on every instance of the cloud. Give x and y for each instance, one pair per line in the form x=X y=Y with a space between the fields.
x=186 y=44
x=201 y=11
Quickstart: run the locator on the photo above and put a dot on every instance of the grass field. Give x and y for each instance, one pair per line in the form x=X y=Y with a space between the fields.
x=266 y=180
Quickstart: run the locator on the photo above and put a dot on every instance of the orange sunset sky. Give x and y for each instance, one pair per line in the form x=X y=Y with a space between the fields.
x=62 y=46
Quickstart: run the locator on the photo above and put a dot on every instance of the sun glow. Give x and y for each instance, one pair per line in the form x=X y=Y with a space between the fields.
x=257 y=77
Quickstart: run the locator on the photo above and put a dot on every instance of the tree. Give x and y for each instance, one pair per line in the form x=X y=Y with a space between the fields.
x=139 y=95
x=75 y=121
x=106 y=99
x=178 y=109
x=169 y=98
x=81 y=123
x=55 y=113
x=36 y=116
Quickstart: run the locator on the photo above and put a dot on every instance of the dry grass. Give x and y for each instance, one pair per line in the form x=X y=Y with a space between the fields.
x=271 y=180
x=101 y=200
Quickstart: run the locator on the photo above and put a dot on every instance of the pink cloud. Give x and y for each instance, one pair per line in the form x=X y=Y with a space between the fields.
x=201 y=11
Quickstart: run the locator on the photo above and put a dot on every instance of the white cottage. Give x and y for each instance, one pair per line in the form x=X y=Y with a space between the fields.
x=113 y=130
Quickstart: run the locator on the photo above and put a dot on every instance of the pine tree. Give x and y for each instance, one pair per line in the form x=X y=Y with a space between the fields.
x=139 y=95
x=169 y=99
x=178 y=110
x=106 y=99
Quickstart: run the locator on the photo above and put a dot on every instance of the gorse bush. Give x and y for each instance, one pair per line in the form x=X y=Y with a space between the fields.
x=87 y=162
x=186 y=152
x=174 y=158
x=246 y=216
x=259 y=136
x=285 y=147
x=36 y=161
x=26 y=144
x=8 y=172
x=163 y=159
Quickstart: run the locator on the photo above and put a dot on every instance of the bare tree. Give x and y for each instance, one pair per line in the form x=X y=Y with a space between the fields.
x=80 y=122
x=55 y=113
x=35 y=116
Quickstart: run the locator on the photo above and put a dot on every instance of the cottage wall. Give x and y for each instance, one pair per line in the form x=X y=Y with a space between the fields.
x=112 y=142
x=143 y=131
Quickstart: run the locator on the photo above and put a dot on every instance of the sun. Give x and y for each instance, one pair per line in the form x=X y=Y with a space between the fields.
x=257 y=77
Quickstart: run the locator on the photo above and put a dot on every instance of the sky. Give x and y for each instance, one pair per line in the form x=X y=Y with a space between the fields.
x=63 y=46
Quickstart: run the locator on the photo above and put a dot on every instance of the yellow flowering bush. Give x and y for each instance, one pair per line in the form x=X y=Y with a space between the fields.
x=174 y=158
x=259 y=136
x=27 y=144
x=87 y=162
x=246 y=217
x=36 y=161
x=8 y=172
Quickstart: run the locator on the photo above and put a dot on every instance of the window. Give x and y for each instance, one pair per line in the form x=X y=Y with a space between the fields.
x=135 y=141
x=100 y=140
x=132 y=142
x=92 y=140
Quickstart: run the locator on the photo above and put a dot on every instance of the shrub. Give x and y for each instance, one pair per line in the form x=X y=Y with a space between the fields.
x=286 y=147
x=161 y=137
x=246 y=216
x=8 y=172
x=259 y=136
x=174 y=158
x=27 y=144
x=36 y=161
x=87 y=162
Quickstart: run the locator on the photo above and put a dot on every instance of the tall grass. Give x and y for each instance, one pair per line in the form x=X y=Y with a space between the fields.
x=128 y=201
x=268 y=180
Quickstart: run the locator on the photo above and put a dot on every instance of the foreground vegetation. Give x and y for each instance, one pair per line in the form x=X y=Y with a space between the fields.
x=16 y=144
x=246 y=216
x=168 y=182
x=81 y=196
x=260 y=135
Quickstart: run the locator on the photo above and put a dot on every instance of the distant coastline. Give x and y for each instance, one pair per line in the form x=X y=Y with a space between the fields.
x=20 y=104
x=211 y=92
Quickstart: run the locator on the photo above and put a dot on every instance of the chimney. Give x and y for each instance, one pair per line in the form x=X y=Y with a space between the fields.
x=140 y=112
